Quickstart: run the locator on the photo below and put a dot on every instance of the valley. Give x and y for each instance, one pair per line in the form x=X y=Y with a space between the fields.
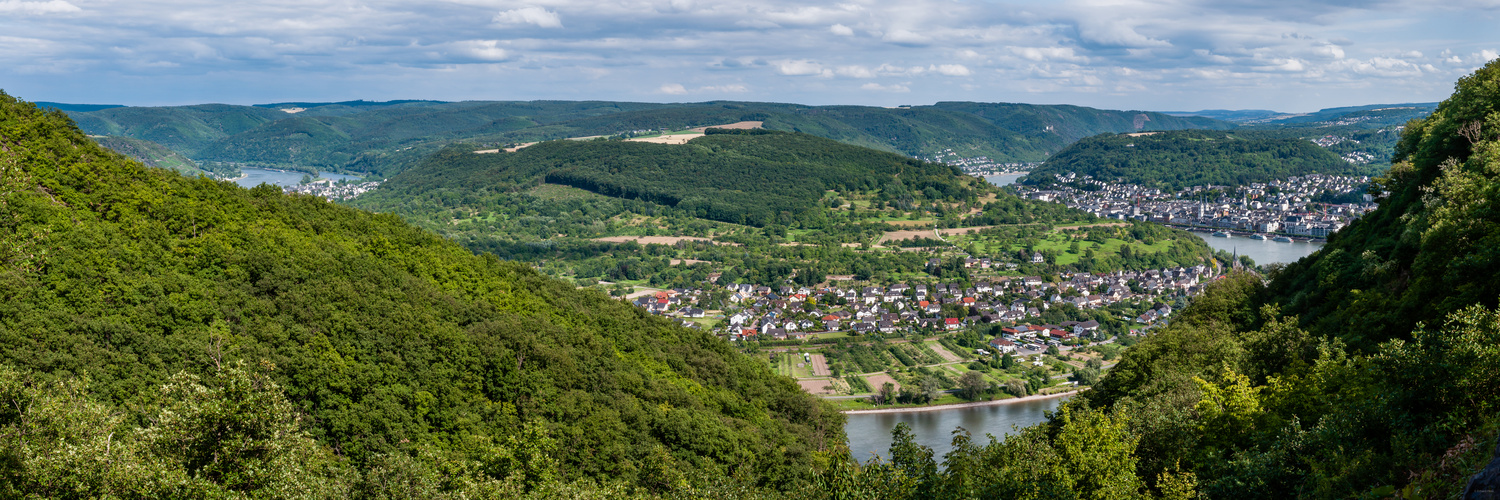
x=706 y=305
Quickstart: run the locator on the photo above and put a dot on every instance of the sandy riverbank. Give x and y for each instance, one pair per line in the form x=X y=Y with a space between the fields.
x=959 y=405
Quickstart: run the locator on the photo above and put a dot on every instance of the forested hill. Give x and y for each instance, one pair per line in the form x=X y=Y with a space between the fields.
x=755 y=177
x=385 y=138
x=379 y=360
x=150 y=153
x=1178 y=159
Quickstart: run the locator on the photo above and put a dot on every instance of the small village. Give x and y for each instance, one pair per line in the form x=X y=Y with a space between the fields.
x=979 y=165
x=1287 y=207
x=763 y=313
x=325 y=188
x=846 y=340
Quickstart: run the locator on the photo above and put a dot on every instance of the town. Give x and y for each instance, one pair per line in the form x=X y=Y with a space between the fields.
x=847 y=339
x=340 y=190
x=1310 y=206
x=979 y=166
x=761 y=312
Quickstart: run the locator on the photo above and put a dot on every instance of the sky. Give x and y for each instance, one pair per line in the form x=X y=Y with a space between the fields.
x=1163 y=55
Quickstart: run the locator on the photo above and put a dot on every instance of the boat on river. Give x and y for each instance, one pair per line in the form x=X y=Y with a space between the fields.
x=1282 y=239
x=1221 y=234
x=1258 y=236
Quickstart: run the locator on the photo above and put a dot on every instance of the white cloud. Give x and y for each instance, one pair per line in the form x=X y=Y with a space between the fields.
x=1212 y=57
x=801 y=67
x=529 y=15
x=51 y=7
x=1116 y=33
x=486 y=50
x=950 y=69
x=891 y=70
x=854 y=72
x=1047 y=54
x=841 y=30
x=906 y=37
x=885 y=88
x=1488 y=55
x=679 y=89
x=725 y=89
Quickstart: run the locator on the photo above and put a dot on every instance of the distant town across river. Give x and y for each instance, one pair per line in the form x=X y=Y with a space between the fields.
x=251 y=177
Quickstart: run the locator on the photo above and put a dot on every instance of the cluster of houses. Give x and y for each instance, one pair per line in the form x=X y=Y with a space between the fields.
x=1279 y=206
x=978 y=165
x=333 y=190
x=759 y=312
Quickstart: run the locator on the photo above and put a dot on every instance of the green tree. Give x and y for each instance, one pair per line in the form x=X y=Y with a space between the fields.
x=972 y=386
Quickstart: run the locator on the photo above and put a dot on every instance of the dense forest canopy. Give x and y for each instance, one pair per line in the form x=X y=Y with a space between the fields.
x=194 y=338
x=1177 y=159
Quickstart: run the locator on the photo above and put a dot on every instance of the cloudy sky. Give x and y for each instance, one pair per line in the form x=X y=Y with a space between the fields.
x=1285 y=55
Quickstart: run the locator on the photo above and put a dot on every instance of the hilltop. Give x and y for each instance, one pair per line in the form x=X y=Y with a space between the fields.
x=743 y=177
x=1178 y=159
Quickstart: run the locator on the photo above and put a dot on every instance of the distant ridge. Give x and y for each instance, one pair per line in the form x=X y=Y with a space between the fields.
x=1269 y=117
x=357 y=103
x=79 y=108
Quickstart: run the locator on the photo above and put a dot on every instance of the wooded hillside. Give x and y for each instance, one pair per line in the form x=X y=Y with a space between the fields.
x=757 y=178
x=378 y=358
x=1177 y=159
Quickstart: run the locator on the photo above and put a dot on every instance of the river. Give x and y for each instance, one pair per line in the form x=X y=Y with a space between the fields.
x=252 y=177
x=870 y=433
x=1004 y=179
x=1262 y=251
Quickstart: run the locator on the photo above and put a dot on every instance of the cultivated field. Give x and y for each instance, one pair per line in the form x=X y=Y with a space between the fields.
x=693 y=133
x=816 y=386
x=906 y=235
x=820 y=366
x=667 y=139
x=880 y=379
x=943 y=352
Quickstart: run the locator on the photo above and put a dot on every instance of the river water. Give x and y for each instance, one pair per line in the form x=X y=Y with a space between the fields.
x=870 y=433
x=256 y=176
x=1004 y=179
x=1262 y=251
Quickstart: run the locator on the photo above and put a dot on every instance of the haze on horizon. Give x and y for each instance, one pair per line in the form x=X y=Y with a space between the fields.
x=1170 y=55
